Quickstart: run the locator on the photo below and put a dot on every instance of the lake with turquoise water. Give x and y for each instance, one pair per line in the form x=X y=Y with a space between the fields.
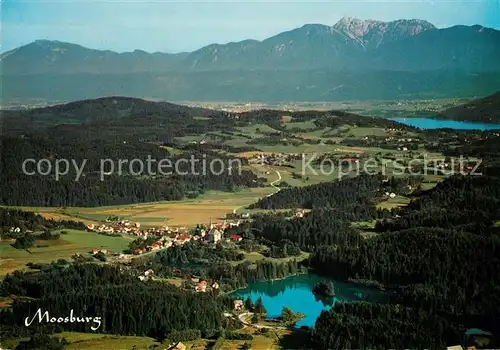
x=429 y=123
x=296 y=293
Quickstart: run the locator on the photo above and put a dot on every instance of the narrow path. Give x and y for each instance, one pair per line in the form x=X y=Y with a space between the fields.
x=273 y=184
x=269 y=195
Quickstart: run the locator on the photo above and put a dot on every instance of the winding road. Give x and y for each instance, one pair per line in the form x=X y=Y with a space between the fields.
x=273 y=185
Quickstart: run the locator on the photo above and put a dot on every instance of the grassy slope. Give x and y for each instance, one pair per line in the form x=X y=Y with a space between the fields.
x=99 y=341
x=211 y=205
x=69 y=244
x=255 y=256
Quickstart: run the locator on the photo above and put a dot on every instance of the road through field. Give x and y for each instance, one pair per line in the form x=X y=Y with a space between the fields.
x=269 y=195
x=273 y=184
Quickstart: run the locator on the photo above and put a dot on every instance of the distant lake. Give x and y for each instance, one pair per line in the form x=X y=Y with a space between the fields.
x=296 y=293
x=429 y=123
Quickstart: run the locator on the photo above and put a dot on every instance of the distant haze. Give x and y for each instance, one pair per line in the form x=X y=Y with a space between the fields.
x=167 y=26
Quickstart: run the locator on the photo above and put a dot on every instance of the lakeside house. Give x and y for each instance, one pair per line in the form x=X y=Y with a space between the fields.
x=238 y=305
x=178 y=346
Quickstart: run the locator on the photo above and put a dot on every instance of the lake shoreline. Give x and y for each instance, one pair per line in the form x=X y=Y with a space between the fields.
x=295 y=292
x=436 y=123
x=263 y=281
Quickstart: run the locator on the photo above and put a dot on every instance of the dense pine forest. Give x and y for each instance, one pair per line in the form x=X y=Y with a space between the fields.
x=117 y=188
x=125 y=305
x=357 y=191
x=364 y=325
x=217 y=263
x=439 y=264
x=470 y=203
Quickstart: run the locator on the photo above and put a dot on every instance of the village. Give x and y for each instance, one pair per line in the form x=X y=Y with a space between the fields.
x=166 y=237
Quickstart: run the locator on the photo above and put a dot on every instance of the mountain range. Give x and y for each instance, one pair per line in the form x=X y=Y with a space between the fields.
x=353 y=59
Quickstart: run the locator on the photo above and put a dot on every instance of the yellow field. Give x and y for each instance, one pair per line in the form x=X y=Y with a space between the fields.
x=213 y=205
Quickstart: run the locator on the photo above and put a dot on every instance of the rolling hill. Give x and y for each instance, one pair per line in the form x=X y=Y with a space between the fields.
x=485 y=109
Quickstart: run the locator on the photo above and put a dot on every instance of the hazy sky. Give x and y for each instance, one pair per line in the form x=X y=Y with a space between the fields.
x=173 y=26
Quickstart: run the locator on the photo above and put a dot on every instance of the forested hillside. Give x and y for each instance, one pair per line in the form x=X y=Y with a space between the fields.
x=470 y=204
x=127 y=306
x=10 y=219
x=119 y=187
x=485 y=109
x=439 y=256
x=88 y=132
x=361 y=190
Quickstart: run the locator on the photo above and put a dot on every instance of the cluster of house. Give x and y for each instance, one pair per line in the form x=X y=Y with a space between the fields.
x=146 y=275
x=103 y=251
x=234 y=216
x=390 y=138
x=166 y=237
x=453 y=164
x=201 y=286
x=275 y=158
x=214 y=235
x=439 y=164
x=162 y=242
x=111 y=227
x=134 y=228
x=109 y=253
